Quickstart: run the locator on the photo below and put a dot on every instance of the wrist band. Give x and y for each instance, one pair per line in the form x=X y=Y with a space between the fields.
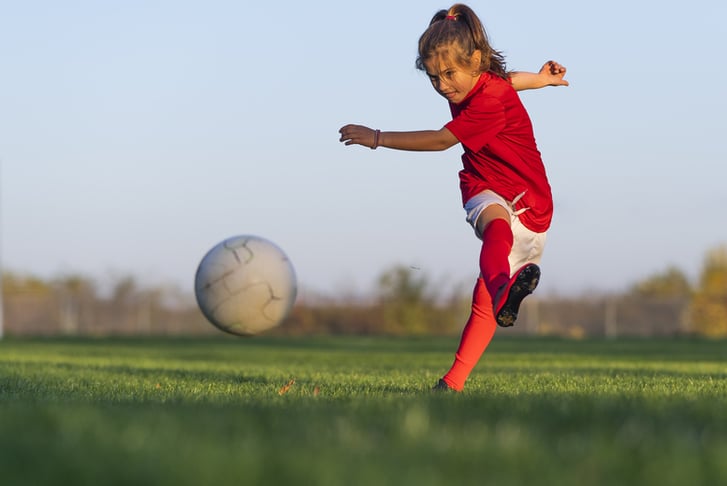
x=377 y=133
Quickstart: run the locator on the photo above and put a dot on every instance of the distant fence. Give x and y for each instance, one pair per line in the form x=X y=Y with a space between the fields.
x=58 y=313
x=605 y=316
x=43 y=314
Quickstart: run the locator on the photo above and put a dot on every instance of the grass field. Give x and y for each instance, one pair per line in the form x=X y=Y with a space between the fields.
x=359 y=412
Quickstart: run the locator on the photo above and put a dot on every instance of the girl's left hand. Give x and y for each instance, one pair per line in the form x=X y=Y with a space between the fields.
x=553 y=73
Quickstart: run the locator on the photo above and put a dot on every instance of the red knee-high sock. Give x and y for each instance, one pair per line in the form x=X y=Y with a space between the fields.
x=476 y=335
x=496 y=247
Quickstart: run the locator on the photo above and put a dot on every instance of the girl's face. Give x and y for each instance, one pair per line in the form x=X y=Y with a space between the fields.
x=450 y=79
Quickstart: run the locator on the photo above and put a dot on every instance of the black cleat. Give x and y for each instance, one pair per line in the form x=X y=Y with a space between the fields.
x=512 y=294
x=442 y=386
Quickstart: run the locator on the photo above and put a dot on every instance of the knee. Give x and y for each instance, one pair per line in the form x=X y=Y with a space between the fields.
x=491 y=213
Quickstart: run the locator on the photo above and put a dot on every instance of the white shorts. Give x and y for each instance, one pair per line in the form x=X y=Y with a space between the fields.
x=527 y=246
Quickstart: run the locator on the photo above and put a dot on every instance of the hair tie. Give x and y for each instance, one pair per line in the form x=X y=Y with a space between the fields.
x=451 y=17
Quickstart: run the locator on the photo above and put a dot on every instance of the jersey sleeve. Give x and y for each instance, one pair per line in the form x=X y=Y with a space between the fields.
x=478 y=123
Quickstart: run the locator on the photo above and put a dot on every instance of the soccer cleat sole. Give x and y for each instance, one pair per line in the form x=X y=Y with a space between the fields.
x=525 y=283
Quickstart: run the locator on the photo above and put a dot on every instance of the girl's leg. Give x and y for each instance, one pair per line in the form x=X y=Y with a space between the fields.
x=494 y=285
x=497 y=240
x=476 y=335
x=493 y=228
x=497 y=243
x=495 y=265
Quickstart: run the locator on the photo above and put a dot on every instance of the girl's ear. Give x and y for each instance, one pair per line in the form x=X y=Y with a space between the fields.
x=476 y=61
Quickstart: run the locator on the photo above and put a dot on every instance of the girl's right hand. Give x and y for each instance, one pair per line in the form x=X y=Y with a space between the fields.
x=359 y=135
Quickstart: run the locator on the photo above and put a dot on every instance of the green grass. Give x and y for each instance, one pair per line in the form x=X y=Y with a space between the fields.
x=198 y=412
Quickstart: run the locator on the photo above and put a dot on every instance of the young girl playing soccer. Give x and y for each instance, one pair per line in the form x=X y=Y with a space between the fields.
x=505 y=190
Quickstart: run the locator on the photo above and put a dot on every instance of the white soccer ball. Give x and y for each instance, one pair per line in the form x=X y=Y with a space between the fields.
x=245 y=285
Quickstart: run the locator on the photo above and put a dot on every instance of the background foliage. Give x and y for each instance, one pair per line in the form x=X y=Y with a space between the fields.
x=406 y=302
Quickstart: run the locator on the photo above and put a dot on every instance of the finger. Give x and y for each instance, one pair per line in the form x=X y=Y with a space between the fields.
x=555 y=67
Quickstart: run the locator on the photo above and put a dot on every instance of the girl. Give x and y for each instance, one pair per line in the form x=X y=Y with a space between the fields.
x=505 y=190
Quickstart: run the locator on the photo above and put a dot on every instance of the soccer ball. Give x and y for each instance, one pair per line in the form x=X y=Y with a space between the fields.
x=245 y=285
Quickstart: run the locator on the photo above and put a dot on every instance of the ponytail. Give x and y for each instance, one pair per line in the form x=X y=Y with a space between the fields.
x=460 y=29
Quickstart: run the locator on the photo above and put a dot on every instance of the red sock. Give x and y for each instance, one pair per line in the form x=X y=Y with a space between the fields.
x=496 y=247
x=476 y=335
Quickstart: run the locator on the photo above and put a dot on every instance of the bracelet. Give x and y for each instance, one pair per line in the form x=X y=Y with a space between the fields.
x=377 y=134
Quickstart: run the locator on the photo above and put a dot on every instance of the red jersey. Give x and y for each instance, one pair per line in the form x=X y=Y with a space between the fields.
x=500 y=153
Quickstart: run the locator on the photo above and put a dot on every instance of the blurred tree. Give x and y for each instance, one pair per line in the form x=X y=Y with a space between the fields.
x=14 y=283
x=401 y=285
x=75 y=295
x=27 y=302
x=670 y=284
x=124 y=292
x=406 y=301
x=708 y=309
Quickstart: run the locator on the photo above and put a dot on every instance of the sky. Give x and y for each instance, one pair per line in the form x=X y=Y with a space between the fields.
x=136 y=135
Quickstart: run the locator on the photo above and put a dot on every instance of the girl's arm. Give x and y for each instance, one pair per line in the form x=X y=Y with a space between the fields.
x=551 y=74
x=423 y=140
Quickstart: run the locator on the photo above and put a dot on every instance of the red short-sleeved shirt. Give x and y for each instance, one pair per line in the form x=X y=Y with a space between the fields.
x=500 y=153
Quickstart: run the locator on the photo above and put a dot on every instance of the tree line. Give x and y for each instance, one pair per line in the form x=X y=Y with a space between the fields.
x=406 y=302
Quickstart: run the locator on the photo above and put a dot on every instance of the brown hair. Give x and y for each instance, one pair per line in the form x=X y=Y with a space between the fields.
x=459 y=32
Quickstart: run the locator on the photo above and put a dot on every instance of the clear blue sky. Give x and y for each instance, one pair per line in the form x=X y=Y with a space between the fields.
x=135 y=135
